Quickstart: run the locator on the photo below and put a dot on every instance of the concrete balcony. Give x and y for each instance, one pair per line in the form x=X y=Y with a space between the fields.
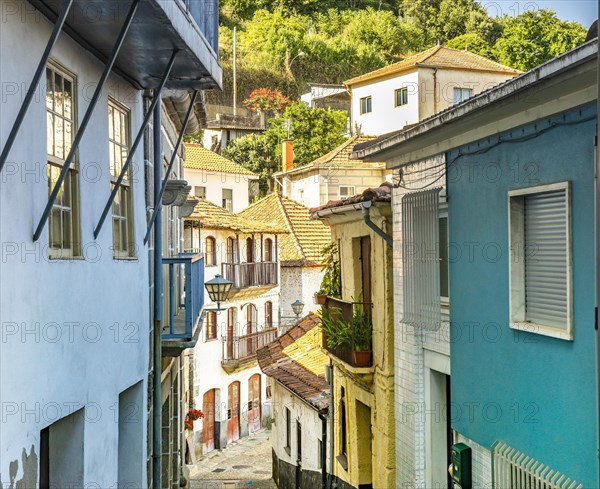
x=159 y=27
x=245 y=275
x=183 y=302
x=241 y=350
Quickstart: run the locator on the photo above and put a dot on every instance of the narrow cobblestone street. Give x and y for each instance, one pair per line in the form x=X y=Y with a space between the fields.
x=246 y=464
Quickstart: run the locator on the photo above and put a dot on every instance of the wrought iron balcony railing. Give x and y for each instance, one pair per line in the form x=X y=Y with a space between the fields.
x=184 y=296
x=237 y=349
x=244 y=275
x=350 y=331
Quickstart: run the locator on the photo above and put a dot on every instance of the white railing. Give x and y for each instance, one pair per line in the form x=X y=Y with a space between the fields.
x=515 y=470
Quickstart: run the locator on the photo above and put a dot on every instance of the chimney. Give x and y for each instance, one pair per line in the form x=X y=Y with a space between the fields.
x=287 y=155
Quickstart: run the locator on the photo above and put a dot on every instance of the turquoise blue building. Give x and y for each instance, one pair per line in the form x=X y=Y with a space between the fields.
x=520 y=192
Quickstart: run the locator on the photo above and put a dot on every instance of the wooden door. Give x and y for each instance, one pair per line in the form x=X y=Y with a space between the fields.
x=230 y=333
x=254 y=403
x=251 y=314
x=208 y=424
x=365 y=262
x=233 y=412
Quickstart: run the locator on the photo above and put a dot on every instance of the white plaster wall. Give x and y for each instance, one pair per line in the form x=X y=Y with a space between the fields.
x=208 y=373
x=215 y=182
x=305 y=189
x=311 y=428
x=410 y=345
x=298 y=283
x=385 y=117
x=74 y=332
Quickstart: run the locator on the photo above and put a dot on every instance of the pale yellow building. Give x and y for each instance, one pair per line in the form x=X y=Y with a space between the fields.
x=362 y=404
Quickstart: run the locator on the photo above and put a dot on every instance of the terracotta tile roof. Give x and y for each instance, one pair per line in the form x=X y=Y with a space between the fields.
x=199 y=158
x=305 y=239
x=296 y=360
x=211 y=216
x=249 y=294
x=383 y=193
x=439 y=57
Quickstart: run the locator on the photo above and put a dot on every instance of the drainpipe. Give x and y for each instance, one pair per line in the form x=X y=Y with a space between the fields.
x=435 y=95
x=324 y=451
x=366 y=209
x=331 y=424
x=158 y=287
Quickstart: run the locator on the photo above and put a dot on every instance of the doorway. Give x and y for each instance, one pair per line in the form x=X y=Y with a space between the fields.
x=233 y=412
x=208 y=424
x=254 y=403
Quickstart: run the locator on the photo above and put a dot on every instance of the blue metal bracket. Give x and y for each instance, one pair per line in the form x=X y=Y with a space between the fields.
x=136 y=143
x=86 y=119
x=35 y=82
x=158 y=203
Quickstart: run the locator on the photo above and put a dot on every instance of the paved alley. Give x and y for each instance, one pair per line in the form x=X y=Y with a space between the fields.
x=246 y=464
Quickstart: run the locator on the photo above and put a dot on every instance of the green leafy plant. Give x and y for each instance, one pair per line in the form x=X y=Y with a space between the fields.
x=331 y=284
x=362 y=328
x=337 y=331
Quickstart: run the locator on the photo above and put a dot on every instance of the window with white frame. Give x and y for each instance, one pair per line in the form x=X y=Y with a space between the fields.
x=400 y=97
x=122 y=208
x=365 y=105
x=227 y=194
x=63 y=222
x=461 y=94
x=346 y=191
x=540 y=260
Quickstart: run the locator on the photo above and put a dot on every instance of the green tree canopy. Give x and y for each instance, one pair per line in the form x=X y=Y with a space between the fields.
x=534 y=37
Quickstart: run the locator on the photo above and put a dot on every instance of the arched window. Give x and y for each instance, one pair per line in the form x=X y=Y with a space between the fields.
x=251 y=319
x=268 y=314
x=210 y=252
x=250 y=250
x=268 y=250
x=231 y=251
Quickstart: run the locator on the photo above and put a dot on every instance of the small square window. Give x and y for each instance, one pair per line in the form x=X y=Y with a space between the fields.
x=540 y=256
x=401 y=97
x=228 y=199
x=462 y=94
x=347 y=191
x=200 y=192
x=365 y=105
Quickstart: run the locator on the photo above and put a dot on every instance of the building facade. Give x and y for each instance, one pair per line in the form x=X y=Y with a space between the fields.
x=521 y=236
x=358 y=335
x=74 y=203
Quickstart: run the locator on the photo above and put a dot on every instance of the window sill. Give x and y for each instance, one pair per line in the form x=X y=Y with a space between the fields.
x=343 y=461
x=125 y=258
x=66 y=258
x=541 y=329
x=287 y=450
x=210 y=340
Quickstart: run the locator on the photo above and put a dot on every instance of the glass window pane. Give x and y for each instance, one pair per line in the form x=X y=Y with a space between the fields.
x=67 y=236
x=68 y=137
x=49 y=89
x=116 y=234
x=58 y=94
x=50 y=133
x=68 y=101
x=59 y=142
x=55 y=228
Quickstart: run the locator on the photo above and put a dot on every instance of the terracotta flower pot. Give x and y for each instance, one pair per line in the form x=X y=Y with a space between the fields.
x=320 y=298
x=362 y=358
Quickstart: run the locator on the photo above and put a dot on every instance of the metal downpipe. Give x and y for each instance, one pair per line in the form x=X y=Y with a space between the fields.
x=366 y=210
x=158 y=288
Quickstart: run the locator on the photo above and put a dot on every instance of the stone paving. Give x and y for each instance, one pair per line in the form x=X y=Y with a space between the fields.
x=245 y=464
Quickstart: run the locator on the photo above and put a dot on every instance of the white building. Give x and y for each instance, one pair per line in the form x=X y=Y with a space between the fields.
x=387 y=99
x=74 y=299
x=299 y=250
x=217 y=179
x=333 y=176
x=227 y=380
x=295 y=365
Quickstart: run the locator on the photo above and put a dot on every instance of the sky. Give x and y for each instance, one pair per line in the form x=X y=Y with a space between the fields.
x=583 y=11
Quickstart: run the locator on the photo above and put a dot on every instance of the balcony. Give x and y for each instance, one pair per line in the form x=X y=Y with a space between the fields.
x=159 y=26
x=183 y=302
x=245 y=275
x=348 y=331
x=239 y=350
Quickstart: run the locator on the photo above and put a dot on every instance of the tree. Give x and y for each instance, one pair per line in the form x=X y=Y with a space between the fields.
x=473 y=43
x=315 y=131
x=534 y=37
x=256 y=153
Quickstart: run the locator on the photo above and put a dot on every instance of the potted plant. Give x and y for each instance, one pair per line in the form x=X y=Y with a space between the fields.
x=331 y=285
x=363 y=335
x=336 y=331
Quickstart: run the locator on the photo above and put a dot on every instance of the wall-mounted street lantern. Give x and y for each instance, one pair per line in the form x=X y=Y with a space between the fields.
x=297 y=307
x=218 y=290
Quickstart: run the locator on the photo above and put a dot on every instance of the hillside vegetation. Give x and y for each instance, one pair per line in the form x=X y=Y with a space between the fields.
x=345 y=38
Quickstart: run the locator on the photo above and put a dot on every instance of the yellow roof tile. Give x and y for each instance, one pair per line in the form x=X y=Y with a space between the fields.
x=306 y=237
x=211 y=216
x=199 y=158
x=440 y=57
